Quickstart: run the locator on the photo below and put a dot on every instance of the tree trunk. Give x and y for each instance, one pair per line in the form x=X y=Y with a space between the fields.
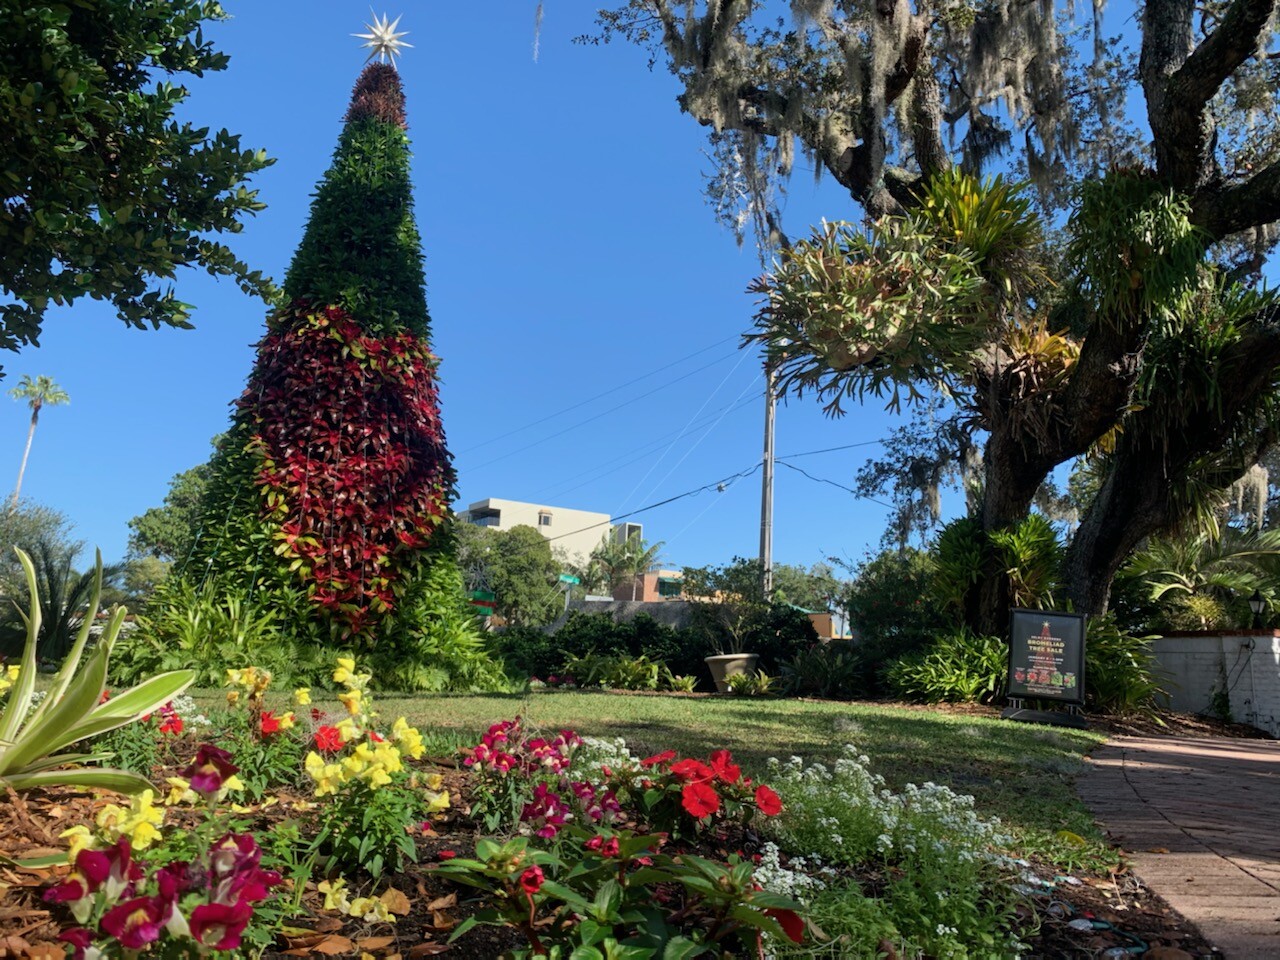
x=1012 y=479
x=22 y=467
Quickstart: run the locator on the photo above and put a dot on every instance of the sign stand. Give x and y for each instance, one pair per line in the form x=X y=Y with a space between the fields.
x=1046 y=662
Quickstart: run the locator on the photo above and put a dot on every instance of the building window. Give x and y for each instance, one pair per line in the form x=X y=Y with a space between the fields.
x=669 y=586
x=544 y=518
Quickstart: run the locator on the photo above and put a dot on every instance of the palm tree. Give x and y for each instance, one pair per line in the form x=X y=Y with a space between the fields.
x=38 y=393
x=623 y=560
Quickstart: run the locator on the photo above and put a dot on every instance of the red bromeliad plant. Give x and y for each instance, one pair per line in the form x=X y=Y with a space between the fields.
x=360 y=481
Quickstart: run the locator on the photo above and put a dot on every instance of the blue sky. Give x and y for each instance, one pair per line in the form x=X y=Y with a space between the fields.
x=569 y=251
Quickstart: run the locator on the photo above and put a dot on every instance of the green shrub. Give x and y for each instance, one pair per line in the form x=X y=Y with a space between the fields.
x=614 y=672
x=530 y=652
x=208 y=631
x=755 y=684
x=959 y=668
x=955 y=565
x=835 y=671
x=1031 y=557
x=889 y=607
x=1121 y=674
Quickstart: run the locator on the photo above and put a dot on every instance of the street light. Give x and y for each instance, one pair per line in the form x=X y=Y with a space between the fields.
x=1256 y=604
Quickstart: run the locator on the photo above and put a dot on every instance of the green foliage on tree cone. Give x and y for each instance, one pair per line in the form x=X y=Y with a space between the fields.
x=361 y=248
x=73 y=709
x=108 y=193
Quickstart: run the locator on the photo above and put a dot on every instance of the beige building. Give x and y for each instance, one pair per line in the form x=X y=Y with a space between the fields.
x=575 y=533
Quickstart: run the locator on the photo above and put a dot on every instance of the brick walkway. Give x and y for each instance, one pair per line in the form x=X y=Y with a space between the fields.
x=1200 y=820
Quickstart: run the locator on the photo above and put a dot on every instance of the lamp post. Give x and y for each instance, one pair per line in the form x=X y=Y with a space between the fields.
x=1257 y=603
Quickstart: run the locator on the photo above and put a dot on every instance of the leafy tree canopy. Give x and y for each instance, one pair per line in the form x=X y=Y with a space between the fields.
x=1136 y=340
x=169 y=531
x=518 y=566
x=107 y=194
x=25 y=526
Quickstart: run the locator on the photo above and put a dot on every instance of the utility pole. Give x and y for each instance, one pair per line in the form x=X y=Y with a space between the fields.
x=766 y=493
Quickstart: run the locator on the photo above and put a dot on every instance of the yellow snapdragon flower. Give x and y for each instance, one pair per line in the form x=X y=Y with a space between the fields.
x=302 y=696
x=347 y=730
x=335 y=895
x=437 y=802
x=345 y=671
x=140 y=822
x=287 y=721
x=351 y=700
x=407 y=738
x=371 y=910
x=328 y=776
x=81 y=839
x=9 y=677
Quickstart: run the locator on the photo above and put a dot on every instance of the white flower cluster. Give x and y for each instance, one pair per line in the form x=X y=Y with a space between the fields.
x=803 y=878
x=849 y=808
x=596 y=752
x=189 y=711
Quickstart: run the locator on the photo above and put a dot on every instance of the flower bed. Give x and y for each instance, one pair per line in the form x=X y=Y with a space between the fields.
x=306 y=832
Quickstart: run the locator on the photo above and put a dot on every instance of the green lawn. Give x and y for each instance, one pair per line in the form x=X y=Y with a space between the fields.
x=1023 y=774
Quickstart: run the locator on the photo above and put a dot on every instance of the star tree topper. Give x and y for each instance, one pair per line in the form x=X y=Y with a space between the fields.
x=383 y=40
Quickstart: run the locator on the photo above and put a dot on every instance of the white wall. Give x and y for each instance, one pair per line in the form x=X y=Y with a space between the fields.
x=1248 y=662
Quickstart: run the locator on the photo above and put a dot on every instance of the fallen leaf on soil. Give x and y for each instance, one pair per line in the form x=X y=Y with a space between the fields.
x=375 y=943
x=442 y=921
x=395 y=901
x=427 y=950
x=331 y=945
x=328 y=924
x=443 y=903
x=1158 y=850
x=1167 y=953
x=47 y=951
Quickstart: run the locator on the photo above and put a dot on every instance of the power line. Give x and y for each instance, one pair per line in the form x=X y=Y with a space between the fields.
x=603 y=413
x=685 y=430
x=860 y=496
x=640 y=453
x=721 y=484
x=847 y=446
x=599 y=396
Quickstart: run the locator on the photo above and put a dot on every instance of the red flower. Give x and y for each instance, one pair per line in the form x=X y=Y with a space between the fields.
x=210 y=767
x=79 y=938
x=328 y=739
x=658 y=759
x=610 y=848
x=136 y=922
x=531 y=880
x=268 y=723
x=594 y=844
x=770 y=803
x=692 y=770
x=700 y=799
x=447 y=854
x=790 y=922
x=725 y=769
x=219 y=925
x=172 y=724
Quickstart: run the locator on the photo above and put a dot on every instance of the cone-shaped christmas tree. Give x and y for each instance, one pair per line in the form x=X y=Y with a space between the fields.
x=334 y=480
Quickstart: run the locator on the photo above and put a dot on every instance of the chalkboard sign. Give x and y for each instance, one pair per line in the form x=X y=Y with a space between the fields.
x=1046 y=656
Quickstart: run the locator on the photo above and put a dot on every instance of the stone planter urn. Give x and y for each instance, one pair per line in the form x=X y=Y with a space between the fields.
x=726 y=665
